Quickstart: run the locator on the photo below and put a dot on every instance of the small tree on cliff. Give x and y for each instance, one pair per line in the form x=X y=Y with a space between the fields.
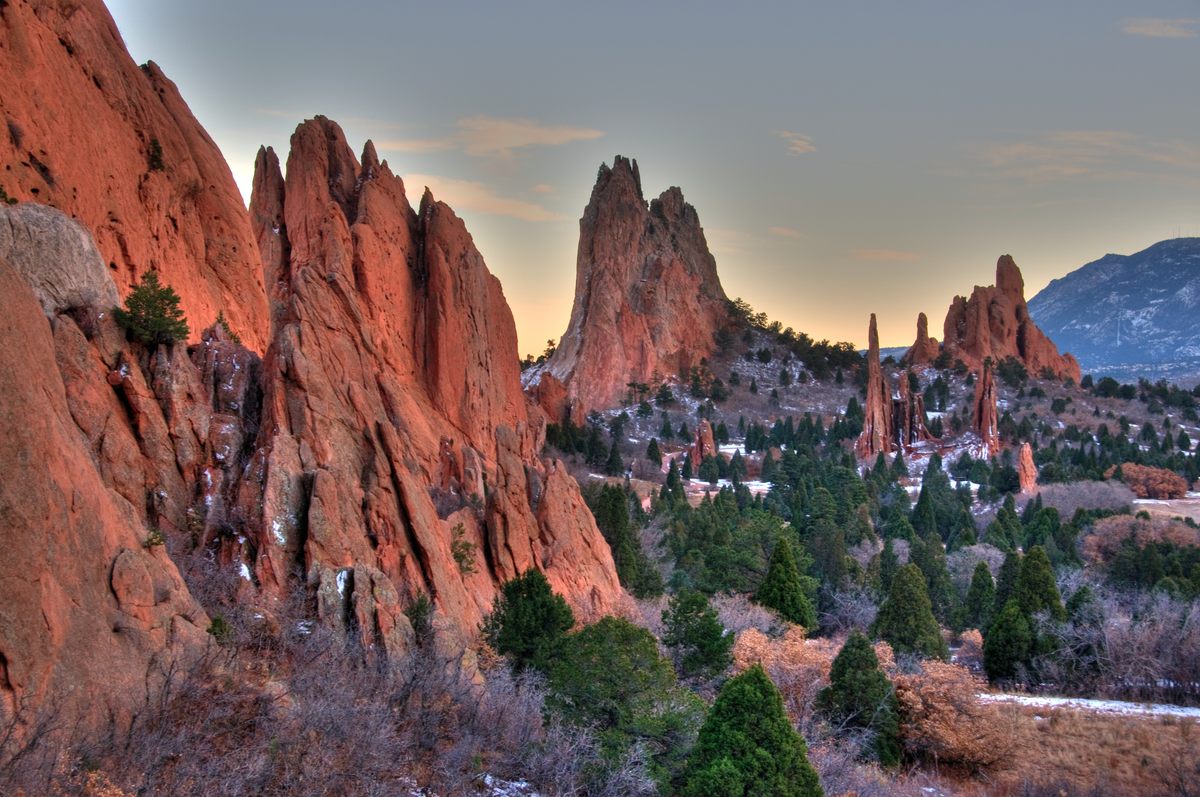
x=152 y=314
x=747 y=745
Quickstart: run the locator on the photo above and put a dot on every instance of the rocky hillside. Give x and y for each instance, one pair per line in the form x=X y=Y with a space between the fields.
x=647 y=297
x=1129 y=315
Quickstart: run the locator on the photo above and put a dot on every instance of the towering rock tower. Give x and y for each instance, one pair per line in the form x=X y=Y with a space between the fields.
x=647 y=296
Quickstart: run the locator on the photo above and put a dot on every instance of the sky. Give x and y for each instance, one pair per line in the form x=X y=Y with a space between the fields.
x=845 y=158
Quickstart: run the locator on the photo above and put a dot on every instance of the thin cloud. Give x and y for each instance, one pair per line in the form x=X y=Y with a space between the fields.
x=470 y=195
x=724 y=241
x=797 y=143
x=542 y=188
x=885 y=255
x=785 y=232
x=1159 y=28
x=490 y=136
x=1091 y=153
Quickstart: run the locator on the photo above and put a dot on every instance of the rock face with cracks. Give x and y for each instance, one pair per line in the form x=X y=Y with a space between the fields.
x=1026 y=470
x=648 y=301
x=994 y=322
x=113 y=145
x=393 y=380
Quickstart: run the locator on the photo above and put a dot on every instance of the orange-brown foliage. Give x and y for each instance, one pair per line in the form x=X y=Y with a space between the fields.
x=943 y=722
x=1108 y=533
x=1148 y=482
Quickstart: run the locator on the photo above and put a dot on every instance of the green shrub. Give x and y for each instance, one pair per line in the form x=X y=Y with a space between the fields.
x=152 y=314
x=462 y=550
x=527 y=620
x=695 y=635
x=747 y=745
x=154 y=156
x=220 y=629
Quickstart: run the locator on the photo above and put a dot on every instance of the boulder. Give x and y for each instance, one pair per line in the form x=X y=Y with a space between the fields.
x=57 y=258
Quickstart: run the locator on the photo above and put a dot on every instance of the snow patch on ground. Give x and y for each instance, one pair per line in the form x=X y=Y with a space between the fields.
x=1098 y=706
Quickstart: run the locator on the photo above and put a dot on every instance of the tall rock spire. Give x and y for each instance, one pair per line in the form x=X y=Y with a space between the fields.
x=877 y=435
x=647 y=297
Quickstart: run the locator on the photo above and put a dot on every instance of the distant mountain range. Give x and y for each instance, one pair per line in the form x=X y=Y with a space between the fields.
x=1129 y=316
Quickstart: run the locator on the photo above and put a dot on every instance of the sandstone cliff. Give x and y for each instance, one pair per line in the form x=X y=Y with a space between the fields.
x=92 y=614
x=393 y=419
x=647 y=297
x=994 y=322
x=114 y=146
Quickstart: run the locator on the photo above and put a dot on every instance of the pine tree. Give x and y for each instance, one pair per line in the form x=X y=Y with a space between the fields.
x=889 y=563
x=859 y=695
x=1035 y=590
x=613 y=466
x=980 y=598
x=152 y=314
x=653 y=453
x=747 y=745
x=695 y=635
x=930 y=556
x=782 y=589
x=1006 y=582
x=905 y=619
x=666 y=432
x=1008 y=644
x=527 y=620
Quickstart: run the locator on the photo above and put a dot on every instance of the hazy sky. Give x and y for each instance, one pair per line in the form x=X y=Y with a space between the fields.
x=845 y=158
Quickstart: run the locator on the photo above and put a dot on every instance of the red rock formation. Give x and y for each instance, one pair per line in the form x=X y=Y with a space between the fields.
x=984 y=418
x=908 y=416
x=90 y=617
x=394 y=369
x=81 y=123
x=1026 y=470
x=1150 y=482
x=705 y=445
x=995 y=323
x=551 y=396
x=925 y=350
x=647 y=297
x=877 y=435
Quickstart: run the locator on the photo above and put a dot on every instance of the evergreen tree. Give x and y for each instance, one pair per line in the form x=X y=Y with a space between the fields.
x=1035 y=589
x=1006 y=582
x=666 y=432
x=653 y=453
x=859 y=695
x=695 y=635
x=152 y=314
x=747 y=746
x=1008 y=644
x=980 y=598
x=527 y=620
x=889 y=563
x=686 y=471
x=710 y=469
x=613 y=466
x=609 y=676
x=905 y=619
x=899 y=468
x=930 y=556
x=783 y=590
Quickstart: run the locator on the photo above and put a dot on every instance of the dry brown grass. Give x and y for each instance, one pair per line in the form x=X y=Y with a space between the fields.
x=1079 y=752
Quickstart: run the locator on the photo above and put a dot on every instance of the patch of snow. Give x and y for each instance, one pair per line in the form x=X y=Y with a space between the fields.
x=1098 y=706
x=244 y=571
x=277 y=532
x=343 y=580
